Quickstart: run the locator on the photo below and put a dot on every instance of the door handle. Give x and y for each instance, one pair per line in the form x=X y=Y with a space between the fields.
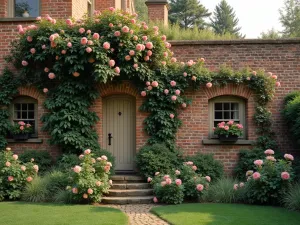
x=109 y=138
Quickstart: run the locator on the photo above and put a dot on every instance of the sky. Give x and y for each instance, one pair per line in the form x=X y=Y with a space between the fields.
x=254 y=16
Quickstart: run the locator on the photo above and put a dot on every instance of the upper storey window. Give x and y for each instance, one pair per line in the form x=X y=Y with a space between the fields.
x=23 y=8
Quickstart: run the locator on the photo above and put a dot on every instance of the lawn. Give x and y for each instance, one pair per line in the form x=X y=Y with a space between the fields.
x=226 y=214
x=16 y=213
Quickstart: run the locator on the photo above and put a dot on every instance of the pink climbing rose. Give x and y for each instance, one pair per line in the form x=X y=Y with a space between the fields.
x=256 y=175
x=178 y=182
x=269 y=152
x=199 y=187
x=285 y=175
x=258 y=162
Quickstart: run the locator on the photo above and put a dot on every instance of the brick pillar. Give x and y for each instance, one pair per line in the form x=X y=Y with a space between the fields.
x=3 y=8
x=158 y=10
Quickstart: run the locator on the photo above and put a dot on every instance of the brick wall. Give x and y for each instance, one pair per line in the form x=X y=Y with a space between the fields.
x=104 y=4
x=3 y=8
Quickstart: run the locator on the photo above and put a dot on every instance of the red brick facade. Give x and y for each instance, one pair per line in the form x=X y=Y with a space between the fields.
x=279 y=57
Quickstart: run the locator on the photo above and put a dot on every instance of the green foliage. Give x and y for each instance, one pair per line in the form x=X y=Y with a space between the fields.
x=110 y=158
x=224 y=20
x=157 y=158
x=66 y=162
x=291 y=199
x=268 y=185
x=270 y=34
x=291 y=112
x=188 y=13
x=141 y=9
x=169 y=194
x=42 y=158
x=222 y=191
x=290 y=18
x=89 y=180
x=14 y=175
x=36 y=191
x=207 y=165
x=175 y=32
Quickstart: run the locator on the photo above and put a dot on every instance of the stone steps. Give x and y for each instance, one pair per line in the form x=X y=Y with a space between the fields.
x=129 y=189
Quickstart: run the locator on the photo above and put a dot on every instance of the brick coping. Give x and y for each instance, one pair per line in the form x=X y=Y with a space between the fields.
x=235 y=42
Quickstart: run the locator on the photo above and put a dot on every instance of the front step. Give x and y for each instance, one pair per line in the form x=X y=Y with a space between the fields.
x=130 y=192
x=129 y=189
x=128 y=200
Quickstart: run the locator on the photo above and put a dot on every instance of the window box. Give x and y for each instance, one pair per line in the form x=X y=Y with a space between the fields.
x=20 y=136
x=228 y=138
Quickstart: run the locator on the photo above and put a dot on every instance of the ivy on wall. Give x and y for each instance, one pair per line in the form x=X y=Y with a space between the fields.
x=66 y=59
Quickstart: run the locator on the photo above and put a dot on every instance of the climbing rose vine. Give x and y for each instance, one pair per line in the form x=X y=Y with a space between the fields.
x=66 y=60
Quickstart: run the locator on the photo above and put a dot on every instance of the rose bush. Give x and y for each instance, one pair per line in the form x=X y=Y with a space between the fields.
x=90 y=178
x=270 y=181
x=14 y=175
x=21 y=128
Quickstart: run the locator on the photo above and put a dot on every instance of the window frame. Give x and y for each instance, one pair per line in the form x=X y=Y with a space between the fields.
x=11 y=10
x=26 y=100
x=227 y=99
x=90 y=6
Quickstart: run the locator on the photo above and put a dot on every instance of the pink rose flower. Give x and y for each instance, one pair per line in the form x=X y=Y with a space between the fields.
x=112 y=63
x=172 y=116
x=254 y=73
x=168 y=181
x=235 y=186
x=24 y=63
x=23 y=168
x=270 y=74
x=149 y=179
x=166 y=91
x=88 y=31
x=149 y=53
x=194 y=168
x=104 y=157
x=133 y=21
x=139 y=47
x=29 y=38
x=74 y=190
x=96 y=36
x=174 y=97
x=85 y=196
x=208 y=178
x=88 y=50
x=117 y=34
x=81 y=30
x=125 y=29
x=98 y=183
x=154 y=84
x=164 y=37
x=36 y=168
x=194 y=78
x=258 y=162
x=84 y=41
x=106 y=45
x=270 y=158
x=155 y=200
x=148 y=83
x=164 y=63
x=15 y=156
x=277 y=84
x=51 y=76
x=135 y=38
x=44 y=47
x=135 y=66
x=21 y=127
x=178 y=182
x=185 y=74
x=209 y=85
x=81 y=156
x=69 y=22
x=242 y=184
x=177 y=92
x=166 y=177
x=190 y=63
x=173 y=83
x=87 y=151
x=173 y=60
x=156 y=173
x=145 y=38
x=131 y=53
x=199 y=187
x=112 y=9
x=110 y=25
x=90 y=191
x=127 y=57
x=183 y=105
x=117 y=70
x=7 y=164
x=90 y=42
x=285 y=175
x=256 y=175
x=146 y=58
x=269 y=152
x=166 y=54
x=32 y=50
x=274 y=77
x=149 y=45
x=29 y=179
x=77 y=169
x=63 y=52
x=289 y=157
x=10 y=178
x=177 y=172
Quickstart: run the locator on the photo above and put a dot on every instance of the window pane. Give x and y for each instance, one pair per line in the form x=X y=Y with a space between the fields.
x=18 y=115
x=218 y=115
x=218 y=106
x=226 y=106
x=235 y=115
x=234 y=106
x=26 y=8
x=30 y=106
x=17 y=106
x=24 y=107
x=30 y=114
x=24 y=115
x=227 y=115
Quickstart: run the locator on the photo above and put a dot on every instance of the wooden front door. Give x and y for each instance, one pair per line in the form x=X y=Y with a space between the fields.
x=119 y=129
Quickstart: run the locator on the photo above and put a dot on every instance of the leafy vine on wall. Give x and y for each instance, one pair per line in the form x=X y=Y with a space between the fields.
x=66 y=59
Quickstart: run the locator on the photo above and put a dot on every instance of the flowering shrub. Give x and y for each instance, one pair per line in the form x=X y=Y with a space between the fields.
x=271 y=179
x=179 y=185
x=21 y=128
x=90 y=178
x=14 y=175
x=229 y=128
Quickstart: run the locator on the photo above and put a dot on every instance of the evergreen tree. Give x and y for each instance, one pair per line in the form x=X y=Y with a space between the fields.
x=141 y=9
x=290 y=18
x=224 y=20
x=188 y=13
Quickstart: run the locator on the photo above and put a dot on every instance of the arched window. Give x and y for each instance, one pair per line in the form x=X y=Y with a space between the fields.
x=225 y=108
x=24 y=108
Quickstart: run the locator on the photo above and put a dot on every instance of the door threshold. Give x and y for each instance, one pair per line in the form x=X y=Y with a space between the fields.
x=125 y=172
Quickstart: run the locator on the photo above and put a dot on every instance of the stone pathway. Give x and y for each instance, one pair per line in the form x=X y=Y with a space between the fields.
x=139 y=214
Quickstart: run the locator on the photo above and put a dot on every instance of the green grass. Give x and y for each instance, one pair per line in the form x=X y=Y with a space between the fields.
x=17 y=213
x=226 y=214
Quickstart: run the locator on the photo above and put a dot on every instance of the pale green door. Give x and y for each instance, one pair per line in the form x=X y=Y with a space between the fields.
x=119 y=129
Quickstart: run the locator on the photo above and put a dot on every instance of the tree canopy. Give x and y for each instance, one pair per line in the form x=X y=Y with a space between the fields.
x=290 y=18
